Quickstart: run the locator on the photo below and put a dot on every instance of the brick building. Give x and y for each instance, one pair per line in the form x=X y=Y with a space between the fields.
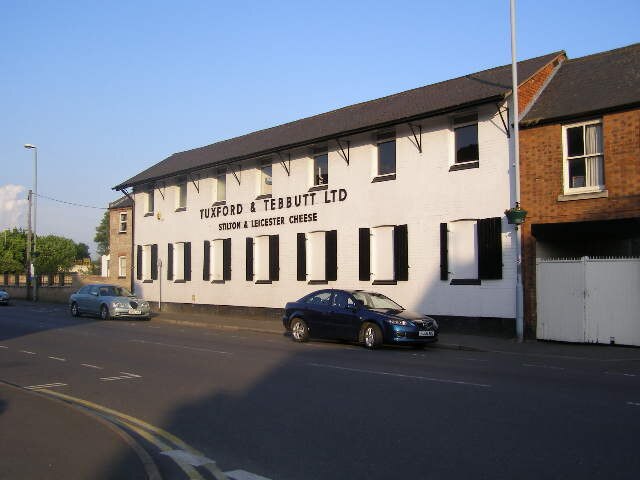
x=580 y=172
x=117 y=265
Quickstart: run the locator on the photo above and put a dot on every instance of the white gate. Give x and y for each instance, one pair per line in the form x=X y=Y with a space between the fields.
x=593 y=300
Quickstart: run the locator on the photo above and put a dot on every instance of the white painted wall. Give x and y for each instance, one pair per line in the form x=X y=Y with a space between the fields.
x=424 y=194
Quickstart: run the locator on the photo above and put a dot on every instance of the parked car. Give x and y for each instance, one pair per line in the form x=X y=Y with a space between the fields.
x=4 y=297
x=108 y=301
x=367 y=318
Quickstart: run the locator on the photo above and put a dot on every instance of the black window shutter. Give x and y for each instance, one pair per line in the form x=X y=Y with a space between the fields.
x=274 y=258
x=170 y=261
x=302 y=257
x=364 y=244
x=331 y=255
x=226 y=259
x=154 y=261
x=444 y=253
x=401 y=252
x=139 y=262
x=490 y=249
x=187 y=261
x=206 y=262
x=249 y=250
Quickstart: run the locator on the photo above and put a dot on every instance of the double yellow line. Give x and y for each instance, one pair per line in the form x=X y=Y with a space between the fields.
x=161 y=439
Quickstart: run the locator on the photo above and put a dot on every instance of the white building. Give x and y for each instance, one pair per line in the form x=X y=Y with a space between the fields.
x=404 y=195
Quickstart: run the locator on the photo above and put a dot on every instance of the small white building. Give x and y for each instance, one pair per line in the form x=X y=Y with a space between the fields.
x=404 y=195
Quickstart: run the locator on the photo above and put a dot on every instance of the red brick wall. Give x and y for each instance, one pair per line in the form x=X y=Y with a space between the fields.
x=119 y=243
x=528 y=90
x=541 y=183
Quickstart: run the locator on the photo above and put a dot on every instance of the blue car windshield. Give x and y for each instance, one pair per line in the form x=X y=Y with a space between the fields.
x=376 y=300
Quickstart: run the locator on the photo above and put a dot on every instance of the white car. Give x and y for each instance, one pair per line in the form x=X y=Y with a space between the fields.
x=108 y=301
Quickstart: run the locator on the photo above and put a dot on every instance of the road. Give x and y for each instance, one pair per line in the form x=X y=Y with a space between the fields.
x=260 y=405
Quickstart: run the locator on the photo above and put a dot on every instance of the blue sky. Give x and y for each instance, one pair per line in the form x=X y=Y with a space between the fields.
x=107 y=89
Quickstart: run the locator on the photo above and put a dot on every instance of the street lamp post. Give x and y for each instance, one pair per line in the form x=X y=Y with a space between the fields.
x=35 y=214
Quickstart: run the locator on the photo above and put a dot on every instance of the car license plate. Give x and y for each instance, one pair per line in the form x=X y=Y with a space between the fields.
x=426 y=333
x=134 y=312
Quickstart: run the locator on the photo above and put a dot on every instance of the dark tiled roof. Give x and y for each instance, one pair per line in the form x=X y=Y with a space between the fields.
x=442 y=97
x=590 y=85
x=122 y=202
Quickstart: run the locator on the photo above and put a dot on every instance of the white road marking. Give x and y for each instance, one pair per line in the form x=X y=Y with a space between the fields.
x=243 y=475
x=400 y=375
x=3 y=346
x=548 y=367
x=622 y=374
x=188 y=458
x=472 y=359
x=635 y=404
x=124 y=376
x=182 y=346
x=59 y=359
x=47 y=385
x=88 y=365
x=27 y=352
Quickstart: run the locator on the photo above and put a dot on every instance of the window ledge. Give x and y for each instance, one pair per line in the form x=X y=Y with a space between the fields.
x=384 y=178
x=583 y=196
x=385 y=282
x=148 y=214
x=180 y=281
x=217 y=282
x=318 y=282
x=464 y=166
x=264 y=196
x=147 y=281
x=317 y=188
x=120 y=277
x=263 y=282
x=466 y=281
x=218 y=203
x=181 y=209
x=122 y=233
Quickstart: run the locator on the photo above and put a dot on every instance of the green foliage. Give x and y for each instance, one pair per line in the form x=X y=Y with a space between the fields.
x=55 y=254
x=82 y=251
x=102 y=235
x=13 y=249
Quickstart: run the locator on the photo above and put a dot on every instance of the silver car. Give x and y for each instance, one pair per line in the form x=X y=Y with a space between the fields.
x=4 y=297
x=108 y=301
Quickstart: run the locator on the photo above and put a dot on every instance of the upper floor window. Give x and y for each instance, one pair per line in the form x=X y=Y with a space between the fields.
x=181 y=196
x=265 y=178
x=465 y=130
x=149 y=207
x=123 y=223
x=220 y=194
x=321 y=169
x=583 y=157
x=386 y=154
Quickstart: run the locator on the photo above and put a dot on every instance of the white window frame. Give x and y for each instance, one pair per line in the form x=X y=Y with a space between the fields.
x=386 y=137
x=216 y=258
x=565 y=159
x=463 y=249
x=316 y=254
x=382 y=251
x=456 y=124
x=181 y=196
x=122 y=266
x=146 y=262
x=149 y=203
x=220 y=186
x=123 y=221
x=315 y=177
x=178 y=261
x=265 y=182
x=261 y=258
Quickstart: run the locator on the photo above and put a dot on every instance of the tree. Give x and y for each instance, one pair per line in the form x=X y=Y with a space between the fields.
x=102 y=235
x=55 y=254
x=13 y=250
x=82 y=251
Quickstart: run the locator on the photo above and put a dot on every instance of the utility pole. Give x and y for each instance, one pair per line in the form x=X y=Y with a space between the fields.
x=29 y=264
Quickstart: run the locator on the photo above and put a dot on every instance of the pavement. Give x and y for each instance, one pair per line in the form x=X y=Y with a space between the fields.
x=65 y=428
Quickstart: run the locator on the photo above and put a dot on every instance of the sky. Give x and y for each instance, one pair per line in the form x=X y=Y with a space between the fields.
x=108 y=89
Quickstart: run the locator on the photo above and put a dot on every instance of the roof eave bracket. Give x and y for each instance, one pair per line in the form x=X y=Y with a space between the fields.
x=285 y=162
x=195 y=179
x=236 y=173
x=344 y=153
x=505 y=124
x=417 y=136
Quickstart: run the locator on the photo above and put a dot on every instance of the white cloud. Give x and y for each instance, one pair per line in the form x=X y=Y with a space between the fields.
x=13 y=206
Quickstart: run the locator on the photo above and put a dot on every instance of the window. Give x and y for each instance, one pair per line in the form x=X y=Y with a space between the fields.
x=220 y=186
x=179 y=262
x=217 y=260
x=181 y=197
x=320 y=298
x=583 y=157
x=149 y=202
x=263 y=259
x=384 y=254
x=317 y=256
x=265 y=178
x=386 y=154
x=123 y=223
x=465 y=131
x=122 y=267
x=321 y=169
x=147 y=262
x=343 y=300
x=471 y=250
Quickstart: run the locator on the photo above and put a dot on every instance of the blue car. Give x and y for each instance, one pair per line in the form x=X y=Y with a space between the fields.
x=368 y=318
